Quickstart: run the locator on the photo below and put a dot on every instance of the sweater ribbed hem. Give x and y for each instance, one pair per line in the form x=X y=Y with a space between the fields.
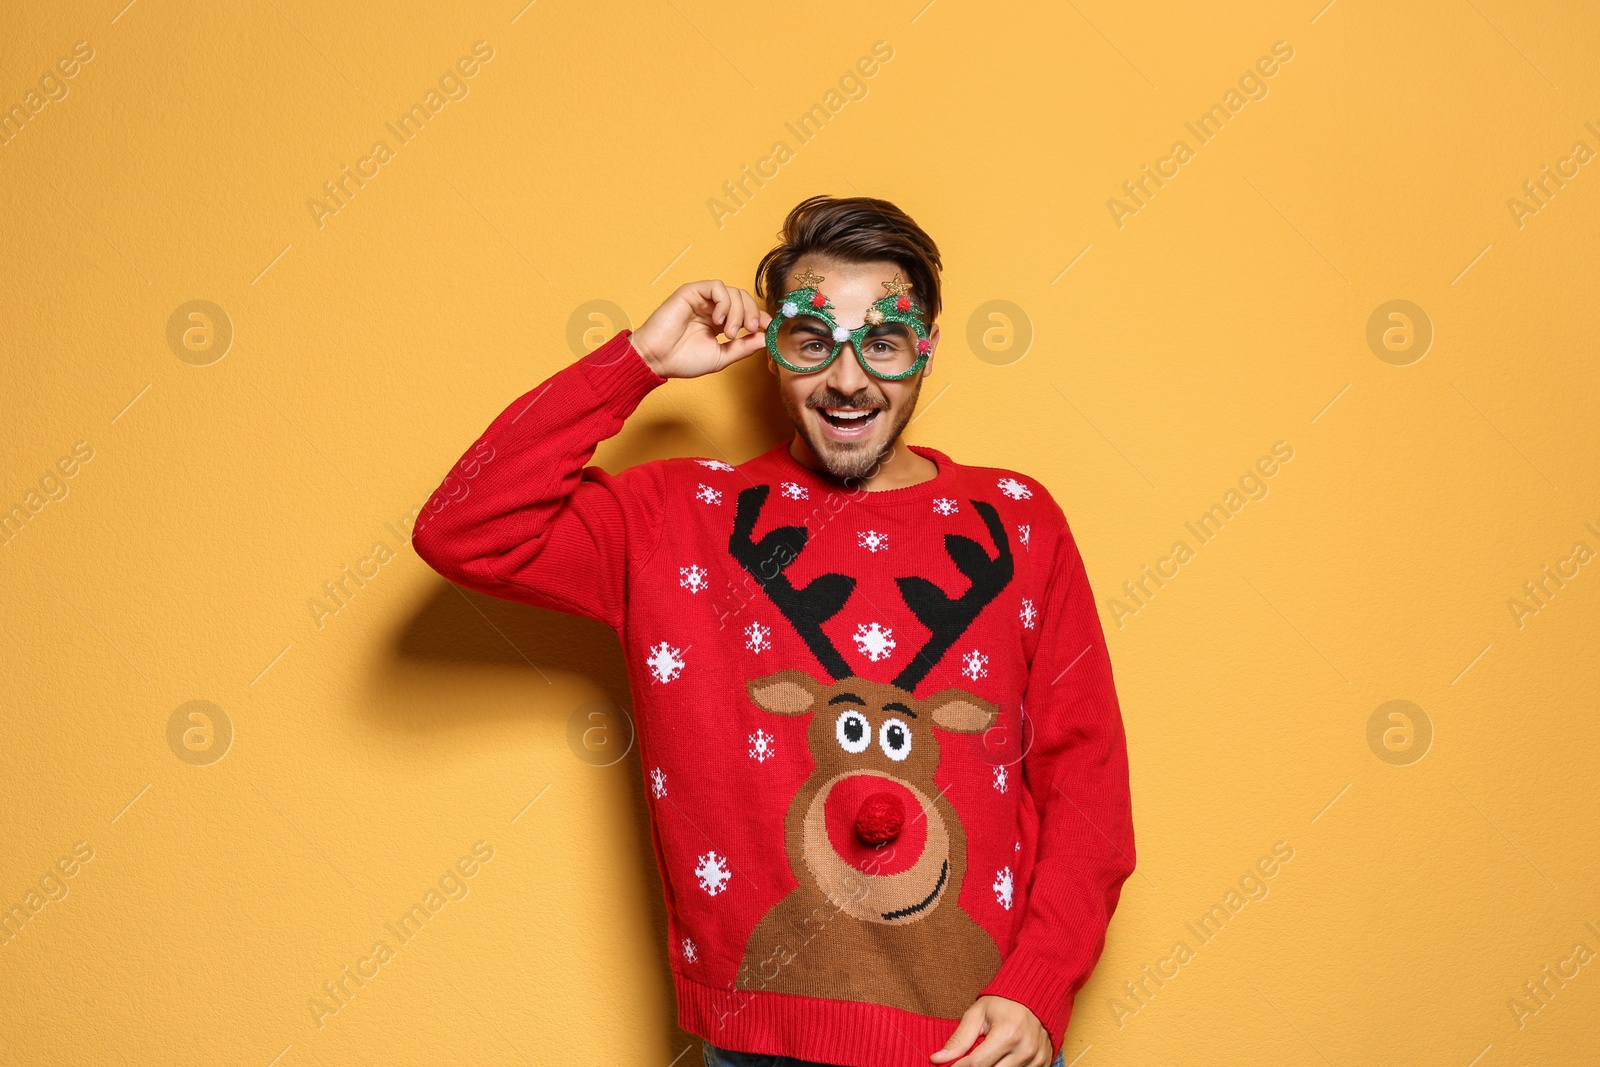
x=844 y=1032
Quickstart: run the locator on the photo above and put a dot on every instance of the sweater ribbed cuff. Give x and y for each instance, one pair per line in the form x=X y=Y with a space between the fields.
x=619 y=375
x=1038 y=984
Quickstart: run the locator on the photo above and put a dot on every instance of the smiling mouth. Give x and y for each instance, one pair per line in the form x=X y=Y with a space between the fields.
x=944 y=872
x=849 y=418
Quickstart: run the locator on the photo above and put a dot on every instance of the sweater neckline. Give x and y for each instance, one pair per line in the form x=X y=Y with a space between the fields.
x=939 y=484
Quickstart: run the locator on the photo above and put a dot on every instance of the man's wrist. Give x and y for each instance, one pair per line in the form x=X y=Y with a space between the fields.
x=646 y=353
x=618 y=375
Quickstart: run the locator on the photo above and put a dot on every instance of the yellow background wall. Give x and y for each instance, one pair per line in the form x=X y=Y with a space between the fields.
x=347 y=760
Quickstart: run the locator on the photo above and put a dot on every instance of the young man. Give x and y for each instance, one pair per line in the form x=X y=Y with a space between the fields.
x=886 y=765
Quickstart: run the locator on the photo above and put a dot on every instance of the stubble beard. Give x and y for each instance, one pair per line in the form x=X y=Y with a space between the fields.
x=850 y=460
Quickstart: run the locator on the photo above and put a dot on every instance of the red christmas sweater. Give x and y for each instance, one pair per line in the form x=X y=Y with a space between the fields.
x=883 y=753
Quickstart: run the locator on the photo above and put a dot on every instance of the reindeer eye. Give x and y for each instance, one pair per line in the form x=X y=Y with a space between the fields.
x=894 y=737
x=854 y=731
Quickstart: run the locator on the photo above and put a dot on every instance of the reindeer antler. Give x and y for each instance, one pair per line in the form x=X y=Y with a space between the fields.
x=766 y=560
x=947 y=618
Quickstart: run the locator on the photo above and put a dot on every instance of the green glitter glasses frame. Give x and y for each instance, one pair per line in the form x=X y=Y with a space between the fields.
x=807 y=302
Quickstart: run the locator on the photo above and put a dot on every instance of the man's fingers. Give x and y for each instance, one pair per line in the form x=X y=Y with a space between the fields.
x=1018 y=1058
x=998 y=1044
x=752 y=313
x=710 y=301
x=700 y=295
x=727 y=307
x=972 y=1025
x=1043 y=1054
x=1026 y=1052
x=744 y=312
x=742 y=347
x=724 y=308
x=722 y=304
x=738 y=311
x=1005 y=1045
x=1006 y=1049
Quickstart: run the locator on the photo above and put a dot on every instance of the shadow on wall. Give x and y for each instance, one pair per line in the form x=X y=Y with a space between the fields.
x=561 y=661
x=458 y=626
x=427 y=679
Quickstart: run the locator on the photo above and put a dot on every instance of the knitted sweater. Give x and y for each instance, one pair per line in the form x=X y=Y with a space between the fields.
x=883 y=754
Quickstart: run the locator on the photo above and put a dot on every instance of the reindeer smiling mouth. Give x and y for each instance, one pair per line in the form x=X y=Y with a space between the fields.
x=870 y=835
x=944 y=872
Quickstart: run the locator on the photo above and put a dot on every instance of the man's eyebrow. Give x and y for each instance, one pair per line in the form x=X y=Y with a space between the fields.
x=889 y=327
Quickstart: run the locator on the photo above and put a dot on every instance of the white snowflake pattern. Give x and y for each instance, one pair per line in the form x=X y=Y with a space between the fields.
x=658 y=783
x=1002 y=778
x=755 y=637
x=872 y=540
x=874 y=640
x=794 y=491
x=690 y=953
x=665 y=662
x=975 y=665
x=712 y=871
x=1014 y=489
x=693 y=577
x=1023 y=533
x=944 y=505
x=761 y=746
x=1028 y=614
x=707 y=495
x=1002 y=887
x=715 y=464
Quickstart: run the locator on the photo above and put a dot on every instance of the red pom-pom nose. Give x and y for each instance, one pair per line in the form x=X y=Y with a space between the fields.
x=880 y=818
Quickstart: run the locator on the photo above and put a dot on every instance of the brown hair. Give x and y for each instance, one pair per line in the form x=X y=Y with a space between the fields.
x=857 y=229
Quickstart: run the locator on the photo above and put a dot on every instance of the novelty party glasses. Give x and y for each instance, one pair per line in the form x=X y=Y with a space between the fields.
x=891 y=344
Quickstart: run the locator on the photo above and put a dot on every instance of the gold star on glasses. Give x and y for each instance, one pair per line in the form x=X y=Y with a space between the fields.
x=808 y=280
x=897 y=287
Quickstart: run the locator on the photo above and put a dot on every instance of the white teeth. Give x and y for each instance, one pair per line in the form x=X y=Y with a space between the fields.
x=847 y=413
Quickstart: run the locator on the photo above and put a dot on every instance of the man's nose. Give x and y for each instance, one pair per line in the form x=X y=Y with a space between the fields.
x=848 y=378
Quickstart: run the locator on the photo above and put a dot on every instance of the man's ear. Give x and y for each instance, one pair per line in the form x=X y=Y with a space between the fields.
x=933 y=340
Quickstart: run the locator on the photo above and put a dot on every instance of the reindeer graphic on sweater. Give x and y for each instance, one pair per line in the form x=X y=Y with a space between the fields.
x=878 y=852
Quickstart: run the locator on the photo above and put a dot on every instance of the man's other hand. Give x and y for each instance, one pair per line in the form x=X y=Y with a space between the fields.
x=679 y=339
x=1012 y=1037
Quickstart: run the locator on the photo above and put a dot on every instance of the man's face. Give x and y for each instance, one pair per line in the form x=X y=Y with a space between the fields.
x=848 y=417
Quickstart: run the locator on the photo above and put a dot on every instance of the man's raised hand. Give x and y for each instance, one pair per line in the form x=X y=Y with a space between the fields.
x=679 y=339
